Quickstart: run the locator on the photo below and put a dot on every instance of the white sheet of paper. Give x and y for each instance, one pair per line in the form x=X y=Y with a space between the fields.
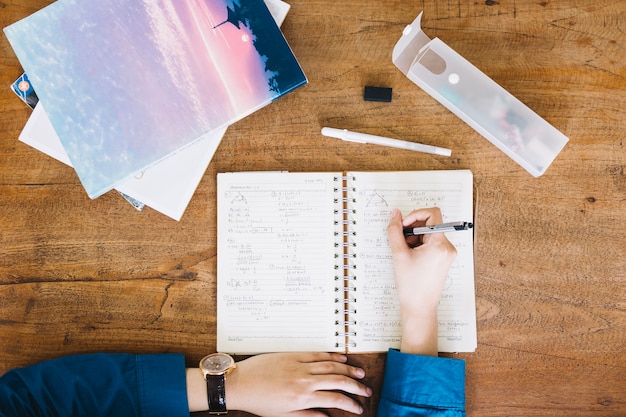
x=166 y=187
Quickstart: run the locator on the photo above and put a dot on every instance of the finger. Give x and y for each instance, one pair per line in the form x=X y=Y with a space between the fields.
x=397 y=241
x=429 y=216
x=311 y=357
x=337 y=382
x=337 y=400
x=334 y=368
x=308 y=413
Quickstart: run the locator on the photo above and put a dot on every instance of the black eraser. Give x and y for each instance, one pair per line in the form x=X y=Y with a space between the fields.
x=371 y=93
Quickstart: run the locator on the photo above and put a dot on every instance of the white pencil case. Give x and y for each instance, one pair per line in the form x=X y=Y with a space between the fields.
x=477 y=100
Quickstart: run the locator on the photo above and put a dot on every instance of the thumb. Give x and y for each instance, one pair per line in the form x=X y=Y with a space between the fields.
x=307 y=413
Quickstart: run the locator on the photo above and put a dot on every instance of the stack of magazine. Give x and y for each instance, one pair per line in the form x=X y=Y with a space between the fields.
x=138 y=94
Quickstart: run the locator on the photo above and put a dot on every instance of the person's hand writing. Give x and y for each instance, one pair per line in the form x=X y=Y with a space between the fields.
x=421 y=265
x=295 y=384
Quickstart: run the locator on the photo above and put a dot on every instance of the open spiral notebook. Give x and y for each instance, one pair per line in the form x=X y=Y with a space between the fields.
x=304 y=263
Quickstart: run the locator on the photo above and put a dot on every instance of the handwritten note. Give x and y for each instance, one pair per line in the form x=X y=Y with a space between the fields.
x=276 y=262
x=377 y=314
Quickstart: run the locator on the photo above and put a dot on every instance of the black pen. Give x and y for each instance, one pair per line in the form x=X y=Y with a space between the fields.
x=438 y=228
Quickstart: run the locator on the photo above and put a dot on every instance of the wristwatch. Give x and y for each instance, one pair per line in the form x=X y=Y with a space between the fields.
x=215 y=367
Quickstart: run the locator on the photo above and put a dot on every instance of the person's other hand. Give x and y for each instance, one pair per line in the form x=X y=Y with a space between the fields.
x=295 y=384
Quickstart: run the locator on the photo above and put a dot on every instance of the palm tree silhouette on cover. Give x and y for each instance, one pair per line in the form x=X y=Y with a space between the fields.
x=232 y=17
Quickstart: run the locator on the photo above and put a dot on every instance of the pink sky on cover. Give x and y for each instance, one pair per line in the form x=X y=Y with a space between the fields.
x=242 y=68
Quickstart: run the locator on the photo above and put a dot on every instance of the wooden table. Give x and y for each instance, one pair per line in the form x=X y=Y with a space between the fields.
x=80 y=275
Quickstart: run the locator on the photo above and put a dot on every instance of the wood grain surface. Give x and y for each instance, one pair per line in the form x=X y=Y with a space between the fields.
x=80 y=275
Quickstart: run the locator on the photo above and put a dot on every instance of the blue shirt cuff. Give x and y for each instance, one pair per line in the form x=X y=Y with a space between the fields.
x=424 y=381
x=162 y=385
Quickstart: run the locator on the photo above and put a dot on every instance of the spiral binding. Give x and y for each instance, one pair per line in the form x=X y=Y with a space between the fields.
x=345 y=257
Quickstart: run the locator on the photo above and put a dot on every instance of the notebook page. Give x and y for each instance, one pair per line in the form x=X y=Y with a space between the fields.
x=276 y=262
x=377 y=313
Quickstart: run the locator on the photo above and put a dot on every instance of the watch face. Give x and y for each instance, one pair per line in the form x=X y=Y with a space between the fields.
x=216 y=364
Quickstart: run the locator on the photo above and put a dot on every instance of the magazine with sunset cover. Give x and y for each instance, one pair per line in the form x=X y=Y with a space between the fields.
x=127 y=83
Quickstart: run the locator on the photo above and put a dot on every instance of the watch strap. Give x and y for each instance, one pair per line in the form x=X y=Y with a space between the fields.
x=216 y=394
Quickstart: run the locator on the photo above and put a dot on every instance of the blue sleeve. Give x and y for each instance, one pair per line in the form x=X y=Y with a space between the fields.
x=98 y=385
x=417 y=385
